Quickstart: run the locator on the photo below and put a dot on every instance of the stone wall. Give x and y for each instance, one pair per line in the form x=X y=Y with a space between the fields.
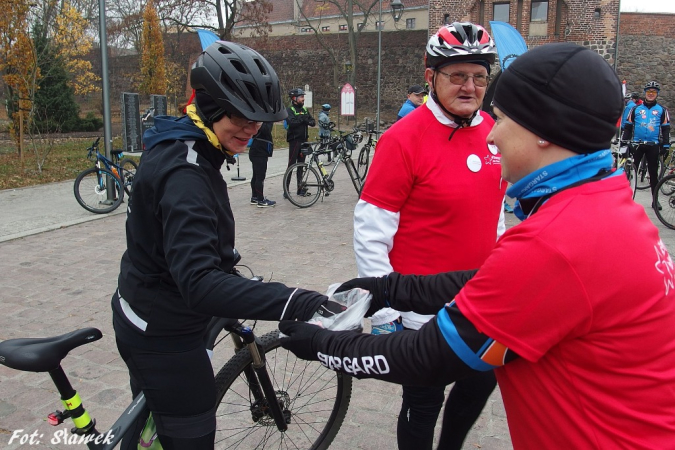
x=300 y=61
x=647 y=52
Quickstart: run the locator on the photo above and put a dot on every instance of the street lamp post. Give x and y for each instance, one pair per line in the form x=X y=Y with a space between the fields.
x=396 y=12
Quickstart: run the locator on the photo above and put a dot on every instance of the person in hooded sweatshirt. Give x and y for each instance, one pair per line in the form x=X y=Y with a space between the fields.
x=177 y=270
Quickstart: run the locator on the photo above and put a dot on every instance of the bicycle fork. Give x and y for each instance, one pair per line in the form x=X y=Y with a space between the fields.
x=259 y=380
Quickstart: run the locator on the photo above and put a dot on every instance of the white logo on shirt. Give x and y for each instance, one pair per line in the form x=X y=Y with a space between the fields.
x=664 y=265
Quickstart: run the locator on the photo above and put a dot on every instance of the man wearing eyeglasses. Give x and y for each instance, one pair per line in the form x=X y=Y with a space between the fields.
x=649 y=123
x=432 y=203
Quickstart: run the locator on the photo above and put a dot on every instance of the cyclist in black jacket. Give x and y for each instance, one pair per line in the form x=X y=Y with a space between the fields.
x=298 y=122
x=176 y=272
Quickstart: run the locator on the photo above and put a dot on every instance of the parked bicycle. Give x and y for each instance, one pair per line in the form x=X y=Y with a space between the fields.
x=664 y=198
x=101 y=188
x=363 y=161
x=305 y=182
x=266 y=397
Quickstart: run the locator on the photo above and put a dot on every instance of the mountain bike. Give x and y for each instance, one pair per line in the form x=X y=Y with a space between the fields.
x=623 y=159
x=101 y=188
x=363 y=161
x=664 y=197
x=303 y=186
x=266 y=397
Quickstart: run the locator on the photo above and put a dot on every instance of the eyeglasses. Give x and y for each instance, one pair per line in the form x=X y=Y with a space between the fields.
x=460 y=78
x=651 y=91
x=241 y=121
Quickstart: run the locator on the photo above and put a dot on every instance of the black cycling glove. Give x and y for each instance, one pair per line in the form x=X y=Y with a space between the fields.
x=423 y=294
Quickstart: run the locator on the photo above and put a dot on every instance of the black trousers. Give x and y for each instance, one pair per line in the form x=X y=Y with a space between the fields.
x=294 y=156
x=421 y=406
x=180 y=391
x=652 y=153
x=259 y=165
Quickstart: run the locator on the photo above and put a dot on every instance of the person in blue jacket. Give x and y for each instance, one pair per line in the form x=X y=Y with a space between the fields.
x=416 y=94
x=632 y=101
x=649 y=123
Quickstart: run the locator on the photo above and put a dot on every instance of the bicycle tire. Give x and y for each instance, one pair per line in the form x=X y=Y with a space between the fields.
x=665 y=196
x=643 y=173
x=629 y=169
x=315 y=397
x=363 y=162
x=91 y=193
x=354 y=176
x=305 y=192
x=129 y=167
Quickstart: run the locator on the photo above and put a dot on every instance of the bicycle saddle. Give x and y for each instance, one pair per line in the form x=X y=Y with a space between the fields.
x=44 y=354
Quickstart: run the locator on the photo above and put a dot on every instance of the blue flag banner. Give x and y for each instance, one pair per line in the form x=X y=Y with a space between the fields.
x=206 y=37
x=510 y=44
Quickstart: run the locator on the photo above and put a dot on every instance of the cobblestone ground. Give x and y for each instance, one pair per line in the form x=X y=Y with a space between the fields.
x=57 y=281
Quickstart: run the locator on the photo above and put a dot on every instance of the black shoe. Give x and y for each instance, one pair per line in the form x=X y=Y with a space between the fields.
x=285 y=196
x=304 y=193
x=254 y=200
x=658 y=205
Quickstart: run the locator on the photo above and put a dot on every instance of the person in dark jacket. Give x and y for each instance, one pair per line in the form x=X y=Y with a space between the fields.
x=297 y=124
x=260 y=151
x=177 y=270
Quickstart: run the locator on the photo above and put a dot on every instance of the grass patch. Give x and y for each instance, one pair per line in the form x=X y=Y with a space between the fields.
x=69 y=157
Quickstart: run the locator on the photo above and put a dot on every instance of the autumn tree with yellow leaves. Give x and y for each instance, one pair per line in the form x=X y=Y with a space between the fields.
x=153 y=66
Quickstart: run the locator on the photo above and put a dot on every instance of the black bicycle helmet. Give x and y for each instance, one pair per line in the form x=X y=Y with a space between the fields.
x=296 y=92
x=457 y=42
x=239 y=80
x=653 y=85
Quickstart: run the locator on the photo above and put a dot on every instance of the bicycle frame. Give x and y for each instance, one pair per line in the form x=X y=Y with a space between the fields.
x=111 y=165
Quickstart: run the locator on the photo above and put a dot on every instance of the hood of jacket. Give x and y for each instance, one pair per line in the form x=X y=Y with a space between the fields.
x=169 y=128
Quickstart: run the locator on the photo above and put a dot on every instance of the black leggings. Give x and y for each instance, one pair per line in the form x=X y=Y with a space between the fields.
x=652 y=153
x=259 y=166
x=180 y=391
x=421 y=406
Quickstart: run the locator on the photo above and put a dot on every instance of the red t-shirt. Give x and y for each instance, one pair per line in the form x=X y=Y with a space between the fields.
x=584 y=292
x=448 y=192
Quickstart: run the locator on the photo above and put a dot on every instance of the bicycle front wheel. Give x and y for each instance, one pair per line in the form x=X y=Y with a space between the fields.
x=314 y=401
x=643 y=173
x=91 y=190
x=363 y=162
x=629 y=169
x=665 y=199
x=302 y=185
x=129 y=167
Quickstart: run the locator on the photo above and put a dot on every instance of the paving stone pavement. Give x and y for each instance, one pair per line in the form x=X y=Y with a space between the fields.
x=52 y=282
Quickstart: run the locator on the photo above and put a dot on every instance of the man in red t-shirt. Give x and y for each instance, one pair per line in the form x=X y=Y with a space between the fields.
x=584 y=355
x=432 y=203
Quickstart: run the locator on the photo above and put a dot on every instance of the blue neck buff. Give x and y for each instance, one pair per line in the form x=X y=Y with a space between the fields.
x=554 y=177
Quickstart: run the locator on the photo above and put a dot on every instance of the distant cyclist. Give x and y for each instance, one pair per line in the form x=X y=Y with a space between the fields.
x=324 y=126
x=298 y=122
x=649 y=122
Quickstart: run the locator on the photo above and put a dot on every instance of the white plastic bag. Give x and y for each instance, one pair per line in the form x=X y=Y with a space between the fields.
x=357 y=302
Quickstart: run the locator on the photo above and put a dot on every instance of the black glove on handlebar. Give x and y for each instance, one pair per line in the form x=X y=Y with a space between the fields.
x=375 y=285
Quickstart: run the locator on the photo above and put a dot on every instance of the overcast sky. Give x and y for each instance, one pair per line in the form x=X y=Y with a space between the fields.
x=648 y=6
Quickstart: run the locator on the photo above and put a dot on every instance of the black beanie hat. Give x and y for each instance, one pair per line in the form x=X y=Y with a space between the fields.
x=207 y=108
x=564 y=93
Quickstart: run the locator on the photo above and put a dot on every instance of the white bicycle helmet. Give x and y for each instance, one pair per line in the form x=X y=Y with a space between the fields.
x=460 y=41
x=653 y=85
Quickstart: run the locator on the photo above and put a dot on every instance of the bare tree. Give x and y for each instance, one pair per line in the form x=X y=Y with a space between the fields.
x=347 y=9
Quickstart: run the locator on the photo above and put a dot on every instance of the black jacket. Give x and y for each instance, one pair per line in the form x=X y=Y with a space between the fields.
x=175 y=273
x=298 y=122
x=263 y=142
